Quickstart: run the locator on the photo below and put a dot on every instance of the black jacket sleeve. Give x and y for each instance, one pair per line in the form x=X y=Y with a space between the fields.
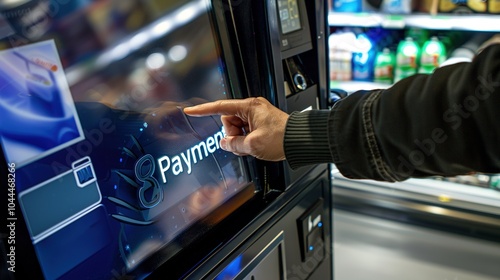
x=444 y=124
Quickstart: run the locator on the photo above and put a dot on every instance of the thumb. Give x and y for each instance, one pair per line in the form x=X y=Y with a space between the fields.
x=234 y=144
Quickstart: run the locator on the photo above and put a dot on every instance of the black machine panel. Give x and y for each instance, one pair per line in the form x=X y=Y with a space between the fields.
x=305 y=217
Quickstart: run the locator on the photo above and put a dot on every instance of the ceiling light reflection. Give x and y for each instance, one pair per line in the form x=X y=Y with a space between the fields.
x=177 y=53
x=155 y=61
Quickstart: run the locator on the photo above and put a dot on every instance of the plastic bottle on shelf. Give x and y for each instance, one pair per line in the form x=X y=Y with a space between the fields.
x=432 y=56
x=407 y=57
x=419 y=35
x=382 y=37
x=363 y=59
x=384 y=67
x=397 y=6
x=467 y=51
x=350 y=6
x=341 y=46
x=495 y=182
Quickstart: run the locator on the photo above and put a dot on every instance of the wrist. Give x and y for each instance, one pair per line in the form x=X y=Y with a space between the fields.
x=306 y=138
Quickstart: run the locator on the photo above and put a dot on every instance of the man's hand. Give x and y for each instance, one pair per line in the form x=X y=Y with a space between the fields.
x=253 y=126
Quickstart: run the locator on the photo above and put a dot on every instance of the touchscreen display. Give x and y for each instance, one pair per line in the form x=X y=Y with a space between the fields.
x=109 y=170
x=289 y=16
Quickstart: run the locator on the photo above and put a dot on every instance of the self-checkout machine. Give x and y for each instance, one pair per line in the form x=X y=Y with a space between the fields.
x=274 y=224
x=283 y=48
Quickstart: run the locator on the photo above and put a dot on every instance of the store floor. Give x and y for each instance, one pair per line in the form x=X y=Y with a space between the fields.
x=367 y=248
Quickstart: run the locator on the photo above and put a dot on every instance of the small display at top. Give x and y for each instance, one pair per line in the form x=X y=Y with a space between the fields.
x=289 y=16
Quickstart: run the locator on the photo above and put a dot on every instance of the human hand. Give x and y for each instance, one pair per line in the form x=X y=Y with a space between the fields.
x=253 y=126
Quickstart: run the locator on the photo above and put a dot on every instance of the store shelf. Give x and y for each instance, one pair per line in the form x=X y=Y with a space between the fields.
x=473 y=22
x=352 y=86
x=450 y=195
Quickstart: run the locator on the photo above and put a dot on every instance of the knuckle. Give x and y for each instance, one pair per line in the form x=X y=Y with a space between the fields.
x=257 y=101
x=255 y=104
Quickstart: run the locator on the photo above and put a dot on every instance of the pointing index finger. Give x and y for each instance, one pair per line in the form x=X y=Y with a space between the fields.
x=221 y=107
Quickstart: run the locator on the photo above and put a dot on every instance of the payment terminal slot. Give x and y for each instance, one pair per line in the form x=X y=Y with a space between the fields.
x=260 y=261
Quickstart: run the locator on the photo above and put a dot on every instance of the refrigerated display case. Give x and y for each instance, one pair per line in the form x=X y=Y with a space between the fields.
x=454 y=30
x=450 y=207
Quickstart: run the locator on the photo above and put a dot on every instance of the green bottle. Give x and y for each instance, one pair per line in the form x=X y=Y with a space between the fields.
x=419 y=35
x=407 y=58
x=384 y=66
x=495 y=182
x=433 y=55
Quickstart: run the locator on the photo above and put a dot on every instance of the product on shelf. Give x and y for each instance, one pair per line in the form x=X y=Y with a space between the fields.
x=418 y=47
x=397 y=6
x=494 y=6
x=433 y=55
x=477 y=5
x=407 y=57
x=402 y=7
x=384 y=66
x=495 y=182
x=468 y=6
x=363 y=59
x=419 y=35
x=351 y=6
x=428 y=6
x=341 y=46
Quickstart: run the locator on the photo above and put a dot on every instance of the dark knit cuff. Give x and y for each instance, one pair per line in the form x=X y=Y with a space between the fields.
x=306 y=138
